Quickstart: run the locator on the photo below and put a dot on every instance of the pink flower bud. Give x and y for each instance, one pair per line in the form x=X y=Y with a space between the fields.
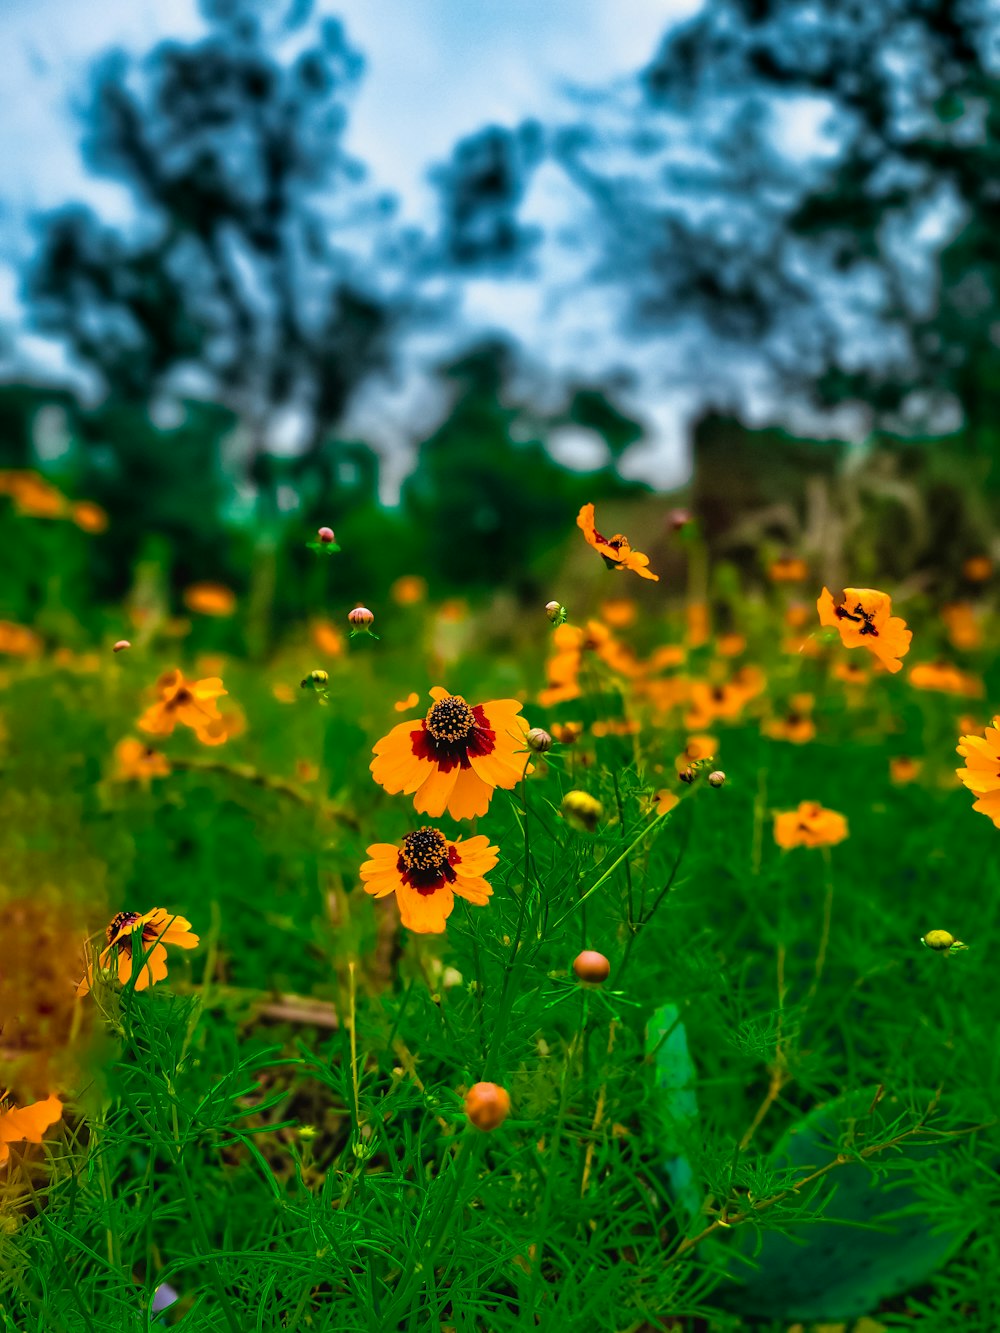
x=122 y=643
x=325 y=535
x=360 y=617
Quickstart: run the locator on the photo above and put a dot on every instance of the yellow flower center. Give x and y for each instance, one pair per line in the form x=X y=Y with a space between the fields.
x=424 y=850
x=450 y=719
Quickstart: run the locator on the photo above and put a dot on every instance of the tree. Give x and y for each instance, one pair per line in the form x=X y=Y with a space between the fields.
x=814 y=186
x=241 y=278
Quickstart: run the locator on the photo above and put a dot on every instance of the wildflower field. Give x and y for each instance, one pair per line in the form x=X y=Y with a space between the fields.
x=625 y=962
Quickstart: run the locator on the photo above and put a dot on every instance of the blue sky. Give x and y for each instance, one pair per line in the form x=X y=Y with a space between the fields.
x=436 y=69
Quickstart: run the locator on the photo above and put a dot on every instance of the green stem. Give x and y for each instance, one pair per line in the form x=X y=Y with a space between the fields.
x=613 y=867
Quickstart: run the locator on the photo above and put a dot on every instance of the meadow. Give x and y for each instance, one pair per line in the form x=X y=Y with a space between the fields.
x=622 y=962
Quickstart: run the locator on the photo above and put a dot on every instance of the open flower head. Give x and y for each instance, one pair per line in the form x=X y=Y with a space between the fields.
x=809 y=826
x=135 y=761
x=26 y=1124
x=455 y=757
x=190 y=702
x=616 y=551
x=425 y=872
x=864 y=619
x=982 y=770
x=158 y=930
x=210 y=599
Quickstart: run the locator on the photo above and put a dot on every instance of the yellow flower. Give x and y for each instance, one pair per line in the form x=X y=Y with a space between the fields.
x=137 y=762
x=809 y=826
x=615 y=551
x=210 y=599
x=455 y=757
x=425 y=871
x=26 y=1124
x=158 y=930
x=192 y=703
x=864 y=619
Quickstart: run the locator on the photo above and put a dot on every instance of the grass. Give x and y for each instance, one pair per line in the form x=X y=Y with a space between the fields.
x=277 y=1131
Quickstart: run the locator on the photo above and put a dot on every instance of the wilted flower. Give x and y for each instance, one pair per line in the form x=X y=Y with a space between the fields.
x=864 y=619
x=487 y=1105
x=455 y=757
x=809 y=826
x=425 y=872
x=615 y=551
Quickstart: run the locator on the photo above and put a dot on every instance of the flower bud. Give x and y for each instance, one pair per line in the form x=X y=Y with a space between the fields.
x=942 y=941
x=487 y=1105
x=120 y=645
x=556 y=612
x=678 y=518
x=539 y=740
x=717 y=779
x=687 y=775
x=582 y=810
x=326 y=536
x=591 y=966
x=317 y=678
x=360 y=618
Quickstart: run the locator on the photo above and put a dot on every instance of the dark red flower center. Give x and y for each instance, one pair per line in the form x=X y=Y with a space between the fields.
x=451 y=732
x=859 y=615
x=426 y=859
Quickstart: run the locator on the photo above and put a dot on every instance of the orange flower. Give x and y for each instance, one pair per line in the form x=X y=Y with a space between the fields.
x=978 y=568
x=89 y=517
x=797 y=614
x=712 y=702
x=455 y=757
x=697 y=747
x=964 y=629
x=425 y=872
x=327 y=638
x=667 y=655
x=982 y=772
x=158 y=929
x=946 y=678
x=731 y=645
x=788 y=569
x=619 y=612
x=851 y=673
x=864 y=620
x=408 y=590
x=698 y=630
x=18 y=640
x=665 y=801
x=26 y=1124
x=404 y=705
x=903 y=769
x=210 y=599
x=809 y=826
x=192 y=703
x=137 y=762
x=799 y=728
x=283 y=692
x=306 y=770
x=567 y=733
x=615 y=551
x=33 y=496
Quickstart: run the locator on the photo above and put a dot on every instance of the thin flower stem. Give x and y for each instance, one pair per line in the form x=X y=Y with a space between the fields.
x=824 y=939
x=624 y=832
x=613 y=867
x=598 y=1117
x=688 y=1243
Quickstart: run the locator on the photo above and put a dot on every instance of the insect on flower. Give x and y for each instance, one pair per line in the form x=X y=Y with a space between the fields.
x=615 y=551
